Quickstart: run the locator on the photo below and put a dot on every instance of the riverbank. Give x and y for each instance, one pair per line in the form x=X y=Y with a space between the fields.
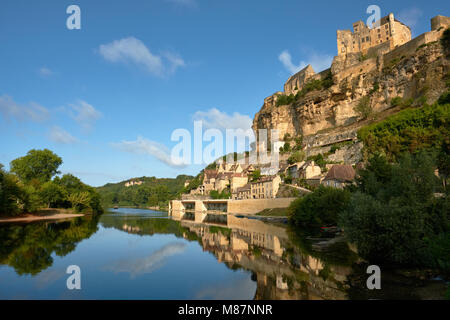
x=42 y=215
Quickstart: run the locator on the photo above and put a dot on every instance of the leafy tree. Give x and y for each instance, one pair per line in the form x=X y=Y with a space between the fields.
x=80 y=201
x=10 y=193
x=319 y=208
x=37 y=164
x=256 y=175
x=225 y=194
x=52 y=194
x=394 y=210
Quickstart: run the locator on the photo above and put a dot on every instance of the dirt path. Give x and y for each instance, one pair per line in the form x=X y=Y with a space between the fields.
x=42 y=215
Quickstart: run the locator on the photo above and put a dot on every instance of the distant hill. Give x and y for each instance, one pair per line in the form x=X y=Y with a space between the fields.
x=143 y=191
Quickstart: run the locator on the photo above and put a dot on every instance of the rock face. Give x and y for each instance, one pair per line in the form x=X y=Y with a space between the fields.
x=415 y=72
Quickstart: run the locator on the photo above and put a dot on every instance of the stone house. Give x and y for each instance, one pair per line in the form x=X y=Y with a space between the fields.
x=339 y=176
x=243 y=193
x=303 y=170
x=265 y=188
x=238 y=180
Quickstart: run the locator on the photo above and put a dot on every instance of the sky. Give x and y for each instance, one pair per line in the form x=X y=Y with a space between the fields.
x=108 y=96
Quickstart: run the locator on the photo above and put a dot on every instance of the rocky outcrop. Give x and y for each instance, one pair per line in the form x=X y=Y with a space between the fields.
x=415 y=72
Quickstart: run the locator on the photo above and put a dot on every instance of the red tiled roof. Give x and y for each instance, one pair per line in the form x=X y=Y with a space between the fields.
x=344 y=173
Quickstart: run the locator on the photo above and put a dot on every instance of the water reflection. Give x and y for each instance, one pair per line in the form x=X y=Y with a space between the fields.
x=28 y=248
x=143 y=254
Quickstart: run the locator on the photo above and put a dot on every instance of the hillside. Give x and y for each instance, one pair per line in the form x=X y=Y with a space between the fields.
x=150 y=191
x=329 y=108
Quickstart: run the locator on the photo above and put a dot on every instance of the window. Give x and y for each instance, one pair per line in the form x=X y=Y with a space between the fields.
x=367 y=39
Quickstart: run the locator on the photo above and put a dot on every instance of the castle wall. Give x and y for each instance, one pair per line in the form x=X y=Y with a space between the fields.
x=440 y=22
x=410 y=47
x=298 y=80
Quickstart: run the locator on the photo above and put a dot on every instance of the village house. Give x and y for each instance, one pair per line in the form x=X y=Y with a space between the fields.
x=265 y=188
x=243 y=193
x=339 y=176
x=303 y=170
x=238 y=180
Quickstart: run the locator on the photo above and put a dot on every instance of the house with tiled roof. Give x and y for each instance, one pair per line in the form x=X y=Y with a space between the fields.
x=339 y=176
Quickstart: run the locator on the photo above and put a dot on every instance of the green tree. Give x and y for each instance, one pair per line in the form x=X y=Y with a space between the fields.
x=394 y=211
x=256 y=175
x=52 y=194
x=319 y=208
x=80 y=200
x=37 y=164
x=10 y=193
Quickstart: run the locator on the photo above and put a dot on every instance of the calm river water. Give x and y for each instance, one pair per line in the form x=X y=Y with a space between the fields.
x=144 y=254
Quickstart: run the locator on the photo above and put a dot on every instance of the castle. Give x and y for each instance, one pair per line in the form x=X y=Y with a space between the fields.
x=366 y=42
x=388 y=32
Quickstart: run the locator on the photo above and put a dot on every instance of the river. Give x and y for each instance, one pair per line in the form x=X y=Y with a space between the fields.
x=144 y=254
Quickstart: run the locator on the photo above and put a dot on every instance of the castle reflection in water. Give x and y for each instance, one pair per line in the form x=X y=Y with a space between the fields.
x=281 y=268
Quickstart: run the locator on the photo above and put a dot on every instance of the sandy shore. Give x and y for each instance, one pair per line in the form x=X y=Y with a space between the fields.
x=42 y=215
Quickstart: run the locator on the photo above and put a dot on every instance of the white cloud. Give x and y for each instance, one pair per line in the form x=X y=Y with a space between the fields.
x=148 y=147
x=410 y=16
x=45 y=72
x=26 y=112
x=319 y=62
x=61 y=136
x=216 y=119
x=132 y=50
x=148 y=264
x=85 y=114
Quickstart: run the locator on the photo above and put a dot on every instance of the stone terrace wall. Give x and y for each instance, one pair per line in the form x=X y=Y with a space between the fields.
x=257 y=205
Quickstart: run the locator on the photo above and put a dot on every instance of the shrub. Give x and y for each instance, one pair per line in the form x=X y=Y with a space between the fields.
x=364 y=109
x=410 y=130
x=394 y=211
x=444 y=98
x=397 y=101
x=318 y=209
x=297 y=156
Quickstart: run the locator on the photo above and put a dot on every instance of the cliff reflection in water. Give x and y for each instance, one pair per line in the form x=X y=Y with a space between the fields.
x=281 y=264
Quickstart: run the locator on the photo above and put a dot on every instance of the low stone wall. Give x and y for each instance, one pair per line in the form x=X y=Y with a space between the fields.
x=257 y=205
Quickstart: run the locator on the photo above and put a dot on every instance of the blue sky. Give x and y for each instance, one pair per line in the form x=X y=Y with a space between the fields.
x=107 y=98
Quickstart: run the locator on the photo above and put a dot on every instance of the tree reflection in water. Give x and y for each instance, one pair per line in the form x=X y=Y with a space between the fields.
x=28 y=248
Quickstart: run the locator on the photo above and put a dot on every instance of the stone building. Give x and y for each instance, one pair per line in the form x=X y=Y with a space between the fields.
x=238 y=180
x=133 y=183
x=339 y=176
x=303 y=170
x=390 y=32
x=265 y=188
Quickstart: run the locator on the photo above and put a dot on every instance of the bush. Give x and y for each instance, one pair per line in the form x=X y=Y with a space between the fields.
x=318 y=209
x=444 y=98
x=410 y=130
x=394 y=211
x=364 y=109
x=297 y=156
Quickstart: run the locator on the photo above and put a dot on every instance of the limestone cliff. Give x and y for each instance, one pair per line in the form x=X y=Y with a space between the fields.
x=415 y=72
